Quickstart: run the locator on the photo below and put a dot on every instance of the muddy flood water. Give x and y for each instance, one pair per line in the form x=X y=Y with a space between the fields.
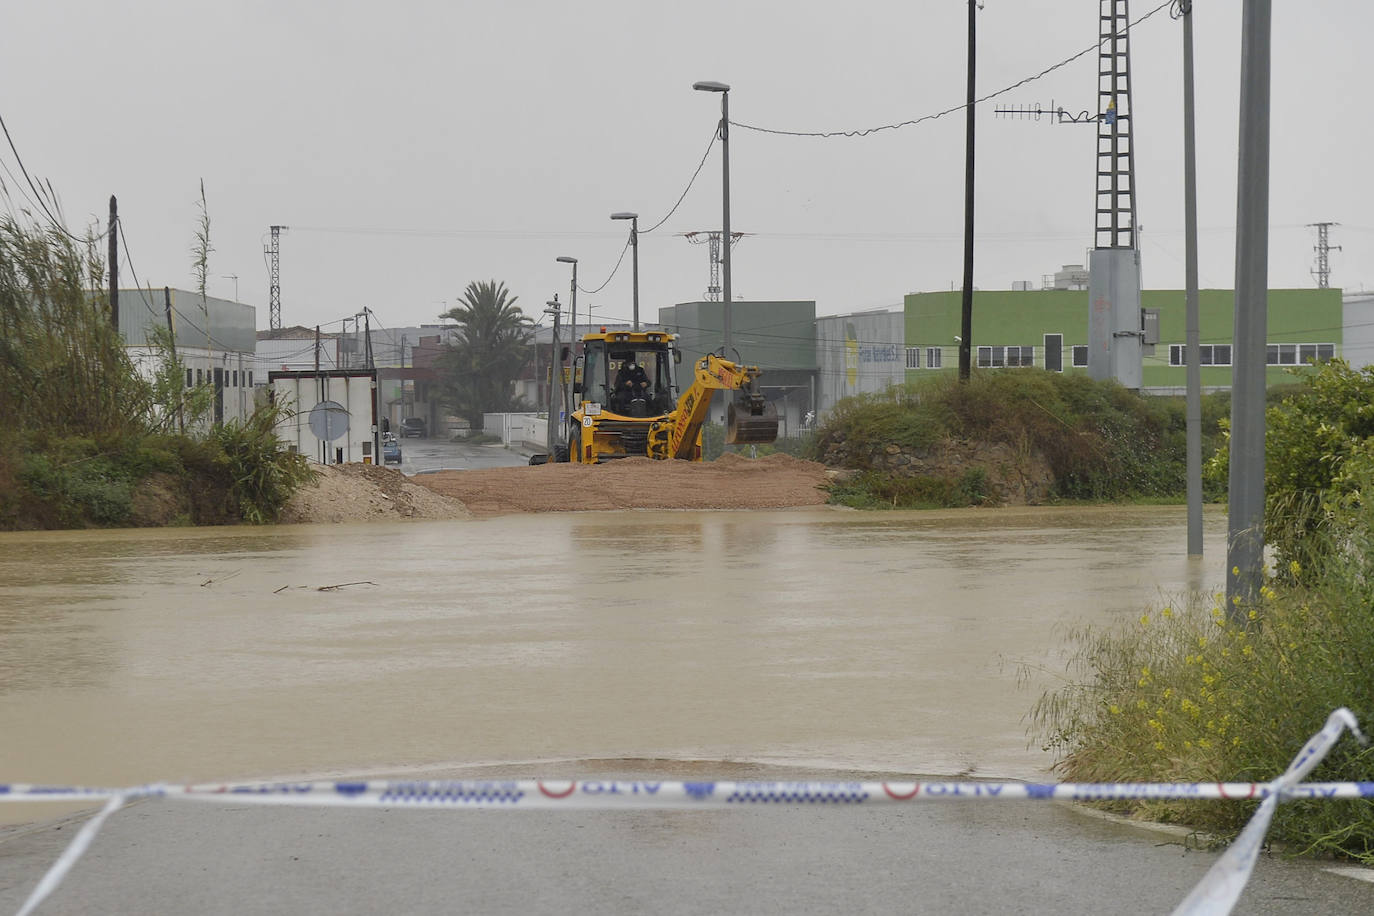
x=817 y=638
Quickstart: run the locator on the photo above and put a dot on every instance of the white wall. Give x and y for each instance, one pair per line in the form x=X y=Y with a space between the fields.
x=517 y=429
x=1357 y=344
x=353 y=395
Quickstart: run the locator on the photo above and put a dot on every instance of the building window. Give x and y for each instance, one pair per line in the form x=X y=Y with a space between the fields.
x=998 y=357
x=250 y=378
x=188 y=378
x=1298 y=354
x=934 y=358
x=1080 y=357
x=235 y=379
x=1208 y=355
x=913 y=357
x=200 y=376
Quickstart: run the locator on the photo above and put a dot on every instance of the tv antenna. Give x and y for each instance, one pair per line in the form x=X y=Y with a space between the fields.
x=1055 y=114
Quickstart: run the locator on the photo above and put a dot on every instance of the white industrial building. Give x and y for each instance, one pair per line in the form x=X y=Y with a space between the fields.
x=214 y=338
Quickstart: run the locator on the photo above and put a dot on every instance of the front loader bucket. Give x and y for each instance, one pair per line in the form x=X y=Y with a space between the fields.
x=751 y=420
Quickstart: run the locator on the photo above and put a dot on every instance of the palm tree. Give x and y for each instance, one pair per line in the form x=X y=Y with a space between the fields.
x=487 y=353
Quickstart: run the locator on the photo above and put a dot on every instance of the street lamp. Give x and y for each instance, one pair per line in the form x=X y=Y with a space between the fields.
x=724 y=90
x=634 y=243
x=564 y=259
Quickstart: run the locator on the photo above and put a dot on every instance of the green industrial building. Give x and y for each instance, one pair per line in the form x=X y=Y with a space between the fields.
x=1049 y=329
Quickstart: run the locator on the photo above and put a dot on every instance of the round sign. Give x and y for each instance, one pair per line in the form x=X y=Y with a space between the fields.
x=328 y=420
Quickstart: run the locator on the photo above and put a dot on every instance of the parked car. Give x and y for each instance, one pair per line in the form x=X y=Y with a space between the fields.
x=391 y=450
x=413 y=426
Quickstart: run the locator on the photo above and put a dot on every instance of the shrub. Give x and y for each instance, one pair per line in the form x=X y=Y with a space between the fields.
x=261 y=475
x=1100 y=440
x=1189 y=694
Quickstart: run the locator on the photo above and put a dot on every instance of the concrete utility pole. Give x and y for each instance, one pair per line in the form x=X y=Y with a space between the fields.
x=1245 y=521
x=551 y=438
x=1193 y=407
x=113 y=233
x=966 y=323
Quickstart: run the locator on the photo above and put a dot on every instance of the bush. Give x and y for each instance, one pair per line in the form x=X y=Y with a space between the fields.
x=1189 y=694
x=261 y=475
x=1100 y=440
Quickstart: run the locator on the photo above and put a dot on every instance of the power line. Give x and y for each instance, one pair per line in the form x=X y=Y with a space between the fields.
x=864 y=132
x=57 y=224
x=714 y=136
x=614 y=271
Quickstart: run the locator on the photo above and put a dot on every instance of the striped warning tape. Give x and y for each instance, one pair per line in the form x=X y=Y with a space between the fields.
x=1214 y=895
x=543 y=793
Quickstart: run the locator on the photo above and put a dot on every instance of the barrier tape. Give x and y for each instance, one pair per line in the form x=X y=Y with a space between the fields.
x=1214 y=895
x=643 y=794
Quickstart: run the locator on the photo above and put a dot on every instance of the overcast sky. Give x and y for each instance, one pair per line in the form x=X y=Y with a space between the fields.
x=415 y=146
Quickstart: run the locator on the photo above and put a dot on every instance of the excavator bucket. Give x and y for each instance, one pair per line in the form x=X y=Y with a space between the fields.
x=751 y=419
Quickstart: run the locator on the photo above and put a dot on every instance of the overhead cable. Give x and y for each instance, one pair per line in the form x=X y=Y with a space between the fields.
x=864 y=132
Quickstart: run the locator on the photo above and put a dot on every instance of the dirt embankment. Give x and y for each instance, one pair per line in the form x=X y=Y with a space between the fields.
x=366 y=492
x=361 y=492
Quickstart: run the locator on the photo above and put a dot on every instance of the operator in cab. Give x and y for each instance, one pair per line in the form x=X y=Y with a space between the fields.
x=631 y=383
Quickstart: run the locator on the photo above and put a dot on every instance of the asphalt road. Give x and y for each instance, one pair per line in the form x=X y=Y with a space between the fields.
x=955 y=857
x=420 y=455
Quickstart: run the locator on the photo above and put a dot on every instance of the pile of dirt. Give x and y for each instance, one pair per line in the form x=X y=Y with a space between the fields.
x=364 y=492
x=732 y=482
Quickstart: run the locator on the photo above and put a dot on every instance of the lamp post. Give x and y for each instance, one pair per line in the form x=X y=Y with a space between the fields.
x=724 y=90
x=634 y=244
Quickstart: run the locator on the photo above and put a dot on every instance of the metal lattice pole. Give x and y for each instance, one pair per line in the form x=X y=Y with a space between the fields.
x=1323 y=249
x=274 y=292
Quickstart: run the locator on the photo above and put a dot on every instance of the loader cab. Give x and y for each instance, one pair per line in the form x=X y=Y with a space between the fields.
x=631 y=374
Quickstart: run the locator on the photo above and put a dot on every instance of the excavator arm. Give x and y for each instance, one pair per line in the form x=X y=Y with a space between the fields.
x=750 y=418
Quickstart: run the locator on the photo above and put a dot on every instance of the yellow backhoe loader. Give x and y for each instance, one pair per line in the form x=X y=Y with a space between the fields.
x=626 y=400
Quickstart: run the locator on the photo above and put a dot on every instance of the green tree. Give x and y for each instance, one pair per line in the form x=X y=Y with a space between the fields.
x=1318 y=459
x=487 y=353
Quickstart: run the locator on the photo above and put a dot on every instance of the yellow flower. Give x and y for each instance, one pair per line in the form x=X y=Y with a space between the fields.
x=1159 y=745
x=1144 y=620
x=1139 y=704
x=1235 y=740
x=1253 y=615
x=1203 y=742
x=1168 y=692
x=1235 y=570
x=1168 y=613
x=1114 y=709
x=1201 y=644
x=1294 y=567
x=1249 y=651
